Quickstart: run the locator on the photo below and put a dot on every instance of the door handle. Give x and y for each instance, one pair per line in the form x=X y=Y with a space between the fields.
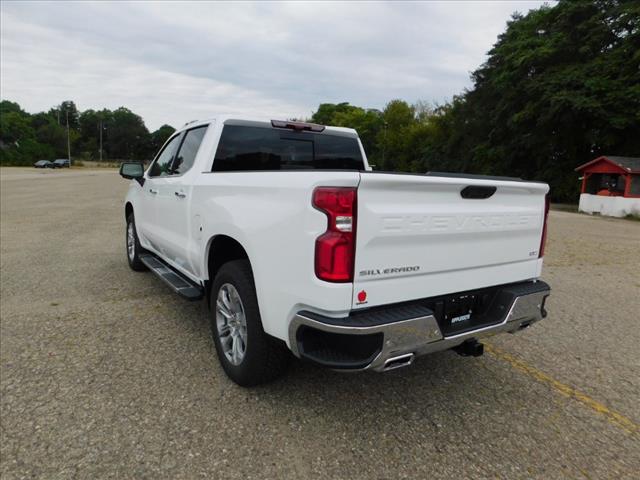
x=180 y=194
x=151 y=190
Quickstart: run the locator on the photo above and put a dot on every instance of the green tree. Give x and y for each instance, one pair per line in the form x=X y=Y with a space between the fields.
x=26 y=138
x=392 y=140
x=7 y=107
x=66 y=108
x=48 y=132
x=327 y=111
x=128 y=136
x=160 y=136
x=18 y=142
x=92 y=123
x=15 y=127
x=367 y=122
x=561 y=86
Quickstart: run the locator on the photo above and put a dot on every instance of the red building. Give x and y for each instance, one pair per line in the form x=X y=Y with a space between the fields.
x=610 y=186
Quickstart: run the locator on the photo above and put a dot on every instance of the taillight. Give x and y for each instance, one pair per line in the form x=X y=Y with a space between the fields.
x=543 y=240
x=335 y=248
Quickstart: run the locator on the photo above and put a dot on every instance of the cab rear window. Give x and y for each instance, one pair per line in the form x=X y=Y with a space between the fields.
x=265 y=148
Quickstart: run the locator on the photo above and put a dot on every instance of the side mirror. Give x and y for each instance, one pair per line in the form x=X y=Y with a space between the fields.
x=132 y=171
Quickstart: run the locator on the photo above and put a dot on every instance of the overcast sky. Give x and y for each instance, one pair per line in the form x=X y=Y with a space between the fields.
x=175 y=62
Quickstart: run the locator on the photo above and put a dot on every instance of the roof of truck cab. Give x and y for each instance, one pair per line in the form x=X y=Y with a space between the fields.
x=250 y=119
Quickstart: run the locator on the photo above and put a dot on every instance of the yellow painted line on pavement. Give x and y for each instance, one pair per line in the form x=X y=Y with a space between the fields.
x=613 y=417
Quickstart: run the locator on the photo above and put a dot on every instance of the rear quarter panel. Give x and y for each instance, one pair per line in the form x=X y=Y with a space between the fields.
x=271 y=216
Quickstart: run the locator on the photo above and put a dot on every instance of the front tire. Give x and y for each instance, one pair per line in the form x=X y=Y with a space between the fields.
x=247 y=354
x=134 y=249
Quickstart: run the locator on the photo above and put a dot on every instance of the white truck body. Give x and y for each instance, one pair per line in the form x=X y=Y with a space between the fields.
x=416 y=237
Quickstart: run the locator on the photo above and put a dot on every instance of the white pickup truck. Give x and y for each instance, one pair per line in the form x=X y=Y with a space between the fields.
x=299 y=247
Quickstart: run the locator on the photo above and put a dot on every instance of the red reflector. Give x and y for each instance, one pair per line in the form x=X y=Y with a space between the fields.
x=543 y=240
x=335 y=249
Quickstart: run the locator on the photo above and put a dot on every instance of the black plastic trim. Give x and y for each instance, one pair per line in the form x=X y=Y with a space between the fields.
x=398 y=312
x=338 y=350
x=373 y=317
x=477 y=192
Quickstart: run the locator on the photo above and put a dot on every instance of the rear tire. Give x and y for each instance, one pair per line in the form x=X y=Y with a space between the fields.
x=247 y=354
x=134 y=249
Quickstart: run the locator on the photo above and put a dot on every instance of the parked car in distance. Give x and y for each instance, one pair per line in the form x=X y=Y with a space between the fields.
x=61 y=163
x=43 y=164
x=299 y=247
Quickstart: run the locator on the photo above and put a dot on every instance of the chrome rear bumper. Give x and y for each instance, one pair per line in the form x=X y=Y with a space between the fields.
x=404 y=339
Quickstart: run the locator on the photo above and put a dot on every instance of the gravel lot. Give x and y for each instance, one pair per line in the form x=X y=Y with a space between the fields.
x=106 y=373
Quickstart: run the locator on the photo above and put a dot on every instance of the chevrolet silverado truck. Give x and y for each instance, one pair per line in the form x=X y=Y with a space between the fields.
x=299 y=247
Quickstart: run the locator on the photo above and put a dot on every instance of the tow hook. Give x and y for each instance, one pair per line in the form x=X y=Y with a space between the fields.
x=470 y=348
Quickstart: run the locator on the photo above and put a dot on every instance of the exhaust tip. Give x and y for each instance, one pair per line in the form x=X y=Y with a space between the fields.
x=398 y=362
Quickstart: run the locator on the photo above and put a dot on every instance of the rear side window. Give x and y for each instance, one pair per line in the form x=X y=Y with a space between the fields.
x=188 y=150
x=265 y=148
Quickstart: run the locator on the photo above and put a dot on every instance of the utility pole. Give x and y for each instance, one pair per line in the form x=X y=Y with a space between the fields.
x=68 y=140
x=384 y=144
x=101 y=140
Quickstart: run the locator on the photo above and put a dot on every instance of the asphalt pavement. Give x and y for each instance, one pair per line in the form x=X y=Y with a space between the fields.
x=105 y=373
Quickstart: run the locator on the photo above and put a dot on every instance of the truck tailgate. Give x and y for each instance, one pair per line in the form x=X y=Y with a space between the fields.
x=417 y=236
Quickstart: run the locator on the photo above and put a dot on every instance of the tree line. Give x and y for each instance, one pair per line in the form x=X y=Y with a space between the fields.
x=26 y=138
x=560 y=87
